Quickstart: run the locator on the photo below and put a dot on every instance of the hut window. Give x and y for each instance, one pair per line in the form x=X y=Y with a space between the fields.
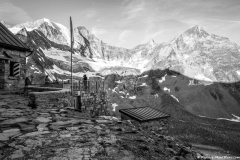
x=14 y=69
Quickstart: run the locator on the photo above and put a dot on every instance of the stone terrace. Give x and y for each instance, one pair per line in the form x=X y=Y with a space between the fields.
x=59 y=134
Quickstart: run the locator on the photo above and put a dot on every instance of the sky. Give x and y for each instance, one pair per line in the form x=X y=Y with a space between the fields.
x=127 y=23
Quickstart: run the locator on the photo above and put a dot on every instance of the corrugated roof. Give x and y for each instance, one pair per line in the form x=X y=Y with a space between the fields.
x=9 y=40
x=143 y=114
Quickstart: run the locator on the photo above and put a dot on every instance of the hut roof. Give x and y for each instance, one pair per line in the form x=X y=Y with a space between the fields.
x=144 y=114
x=10 y=41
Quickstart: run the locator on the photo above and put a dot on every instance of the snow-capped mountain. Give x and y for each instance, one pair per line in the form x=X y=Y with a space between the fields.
x=195 y=53
x=50 y=42
x=53 y=31
x=200 y=55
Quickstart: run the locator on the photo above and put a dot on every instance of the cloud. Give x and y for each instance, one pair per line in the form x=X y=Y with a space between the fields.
x=97 y=31
x=122 y=37
x=91 y=13
x=13 y=14
x=124 y=34
x=151 y=36
x=133 y=9
x=221 y=20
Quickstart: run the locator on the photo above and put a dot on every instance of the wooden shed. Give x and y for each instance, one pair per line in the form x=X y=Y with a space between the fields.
x=13 y=53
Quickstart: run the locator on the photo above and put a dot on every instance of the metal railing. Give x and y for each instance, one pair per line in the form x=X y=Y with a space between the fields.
x=52 y=85
x=89 y=86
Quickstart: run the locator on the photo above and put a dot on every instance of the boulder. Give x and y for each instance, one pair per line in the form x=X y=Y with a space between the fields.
x=6 y=135
x=13 y=121
x=28 y=128
x=17 y=154
x=12 y=113
x=42 y=127
x=32 y=134
x=42 y=120
x=11 y=130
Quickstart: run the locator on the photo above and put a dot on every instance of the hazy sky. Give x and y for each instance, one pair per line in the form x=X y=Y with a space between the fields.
x=127 y=23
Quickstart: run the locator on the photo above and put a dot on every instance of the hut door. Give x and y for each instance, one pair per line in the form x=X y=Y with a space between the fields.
x=2 y=73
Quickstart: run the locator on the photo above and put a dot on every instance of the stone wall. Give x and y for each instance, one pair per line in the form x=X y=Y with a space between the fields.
x=94 y=103
x=51 y=99
x=8 y=82
x=46 y=97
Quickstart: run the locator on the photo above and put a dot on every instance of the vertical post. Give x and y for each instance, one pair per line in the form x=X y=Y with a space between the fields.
x=71 y=29
x=96 y=86
x=103 y=85
x=88 y=86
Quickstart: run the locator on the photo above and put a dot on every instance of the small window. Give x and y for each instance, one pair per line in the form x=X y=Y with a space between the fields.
x=14 y=69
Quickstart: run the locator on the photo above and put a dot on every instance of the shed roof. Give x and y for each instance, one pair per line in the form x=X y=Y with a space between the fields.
x=9 y=40
x=144 y=114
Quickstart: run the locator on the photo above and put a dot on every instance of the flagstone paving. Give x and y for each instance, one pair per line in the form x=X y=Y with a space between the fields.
x=61 y=134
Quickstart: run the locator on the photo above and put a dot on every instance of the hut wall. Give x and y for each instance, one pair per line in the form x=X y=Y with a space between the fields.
x=12 y=69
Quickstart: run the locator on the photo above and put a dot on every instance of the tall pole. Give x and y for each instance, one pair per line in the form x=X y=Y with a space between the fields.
x=71 y=29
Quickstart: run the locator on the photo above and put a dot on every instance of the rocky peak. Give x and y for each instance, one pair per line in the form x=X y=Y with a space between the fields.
x=23 y=32
x=22 y=35
x=83 y=30
x=151 y=43
x=36 y=24
x=197 y=30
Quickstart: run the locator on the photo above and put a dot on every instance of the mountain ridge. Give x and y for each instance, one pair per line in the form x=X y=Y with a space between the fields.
x=193 y=53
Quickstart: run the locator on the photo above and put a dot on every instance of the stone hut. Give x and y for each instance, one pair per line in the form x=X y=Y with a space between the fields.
x=13 y=53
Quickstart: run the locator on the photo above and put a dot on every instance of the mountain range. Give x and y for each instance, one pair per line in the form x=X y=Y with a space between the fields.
x=194 y=53
x=194 y=77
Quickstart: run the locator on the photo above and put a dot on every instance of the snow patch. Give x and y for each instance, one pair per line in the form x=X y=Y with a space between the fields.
x=163 y=79
x=238 y=72
x=58 y=70
x=14 y=30
x=174 y=76
x=37 y=72
x=206 y=83
x=114 y=105
x=175 y=97
x=233 y=119
x=166 y=89
x=143 y=84
x=29 y=29
x=114 y=89
x=143 y=76
x=32 y=67
x=65 y=32
x=132 y=97
x=236 y=116
x=156 y=95
x=202 y=116
x=191 y=83
x=122 y=92
x=118 y=81
x=202 y=77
